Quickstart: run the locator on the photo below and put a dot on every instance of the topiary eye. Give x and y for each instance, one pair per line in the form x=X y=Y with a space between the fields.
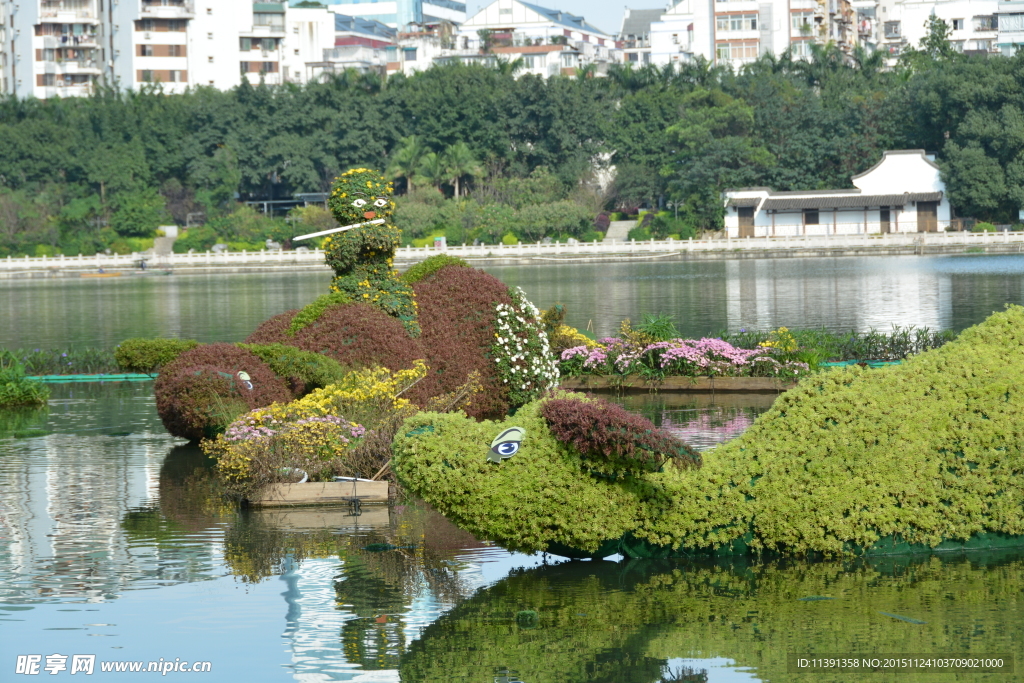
x=380 y=202
x=359 y=203
x=506 y=444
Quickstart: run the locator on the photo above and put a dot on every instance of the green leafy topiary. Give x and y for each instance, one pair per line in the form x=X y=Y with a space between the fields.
x=148 y=355
x=313 y=369
x=362 y=258
x=311 y=312
x=909 y=457
x=430 y=266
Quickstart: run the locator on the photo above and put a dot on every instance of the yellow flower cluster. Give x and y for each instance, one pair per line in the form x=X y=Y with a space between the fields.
x=365 y=397
x=782 y=340
x=566 y=337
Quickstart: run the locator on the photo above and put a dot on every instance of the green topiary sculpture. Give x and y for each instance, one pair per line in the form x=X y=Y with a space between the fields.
x=363 y=257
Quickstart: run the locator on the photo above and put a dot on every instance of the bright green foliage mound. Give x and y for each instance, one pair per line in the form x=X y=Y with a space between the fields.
x=538 y=497
x=430 y=266
x=148 y=355
x=314 y=370
x=312 y=312
x=925 y=453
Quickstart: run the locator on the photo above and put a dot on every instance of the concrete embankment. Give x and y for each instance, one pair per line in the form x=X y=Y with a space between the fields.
x=607 y=252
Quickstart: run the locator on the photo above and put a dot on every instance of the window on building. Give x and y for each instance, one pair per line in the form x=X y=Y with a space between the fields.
x=243 y=67
x=147 y=76
x=145 y=50
x=210 y=59
x=176 y=76
x=296 y=53
x=800 y=48
x=209 y=36
x=505 y=11
x=246 y=44
x=632 y=57
x=958 y=24
x=802 y=22
x=735 y=51
x=409 y=54
x=273 y=20
x=209 y=10
x=984 y=45
x=675 y=38
x=892 y=29
x=988 y=23
x=810 y=216
x=175 y=50
x=176 y=25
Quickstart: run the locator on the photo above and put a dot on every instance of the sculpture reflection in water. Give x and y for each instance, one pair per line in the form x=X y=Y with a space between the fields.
x=635 y=622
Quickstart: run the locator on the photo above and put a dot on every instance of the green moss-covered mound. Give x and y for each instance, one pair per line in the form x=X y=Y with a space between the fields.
x=921 y=455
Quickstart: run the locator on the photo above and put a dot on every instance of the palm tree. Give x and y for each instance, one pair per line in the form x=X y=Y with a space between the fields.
x=459 y=161
x=406 y=161
x=509 y=67
x=432 y=170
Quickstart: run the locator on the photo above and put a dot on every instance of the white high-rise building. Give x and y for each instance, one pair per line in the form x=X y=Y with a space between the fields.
x=62 y=48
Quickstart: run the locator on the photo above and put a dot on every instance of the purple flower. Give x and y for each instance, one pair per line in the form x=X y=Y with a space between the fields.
x=63 y=355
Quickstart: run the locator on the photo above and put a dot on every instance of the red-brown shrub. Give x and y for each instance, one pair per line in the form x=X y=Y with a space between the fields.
x=198 y=394
x=614 y=438
x=273 y=330
x=457 y=316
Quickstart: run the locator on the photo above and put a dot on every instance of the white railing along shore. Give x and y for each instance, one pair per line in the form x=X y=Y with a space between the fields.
x=537 y=250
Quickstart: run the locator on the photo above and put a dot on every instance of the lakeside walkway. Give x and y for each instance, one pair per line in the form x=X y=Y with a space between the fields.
x=904 y=244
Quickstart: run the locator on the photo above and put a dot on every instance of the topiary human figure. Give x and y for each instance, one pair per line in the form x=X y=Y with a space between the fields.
x=363 y=257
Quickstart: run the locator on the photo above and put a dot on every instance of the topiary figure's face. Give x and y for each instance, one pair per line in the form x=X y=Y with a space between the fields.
x=360 y=195
x=520 y=483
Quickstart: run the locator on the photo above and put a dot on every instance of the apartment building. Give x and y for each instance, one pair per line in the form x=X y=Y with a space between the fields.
x=973 y=22
x=399 y=14
x=635 y=35
x=548 y=41
x=737 y=32
x=1010 y=22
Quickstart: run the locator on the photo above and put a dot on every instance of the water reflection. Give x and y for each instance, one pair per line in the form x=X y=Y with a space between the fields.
x=701 y=420
x=133 y=528
x=842 y=294
x=645 y=621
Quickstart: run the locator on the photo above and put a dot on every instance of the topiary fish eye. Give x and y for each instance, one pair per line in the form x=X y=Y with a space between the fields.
x=380 y=202
x=506 y=444
x=359 y=203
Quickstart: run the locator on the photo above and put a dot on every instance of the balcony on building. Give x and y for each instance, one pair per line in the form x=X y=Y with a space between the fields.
x=168 y=9
x=67 y=12
x=267 y=19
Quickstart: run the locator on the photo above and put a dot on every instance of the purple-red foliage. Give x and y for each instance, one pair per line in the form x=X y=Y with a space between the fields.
x=457 y=316
x=198 y=394
x=613 y=437
x=602 y=222
x=273 y=330
x=357 y=336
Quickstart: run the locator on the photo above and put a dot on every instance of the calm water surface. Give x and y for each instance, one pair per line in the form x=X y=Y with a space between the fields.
x=113 y=543
x=841 y=294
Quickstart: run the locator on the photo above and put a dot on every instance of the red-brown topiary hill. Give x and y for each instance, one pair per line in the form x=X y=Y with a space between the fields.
x=357 y=336
x=199 y=393
x=457 y=316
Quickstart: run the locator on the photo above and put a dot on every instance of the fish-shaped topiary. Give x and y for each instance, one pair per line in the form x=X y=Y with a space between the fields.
x=919 y=456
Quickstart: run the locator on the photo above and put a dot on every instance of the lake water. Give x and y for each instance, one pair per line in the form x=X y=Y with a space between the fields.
x=114 y=543
x=705 y=297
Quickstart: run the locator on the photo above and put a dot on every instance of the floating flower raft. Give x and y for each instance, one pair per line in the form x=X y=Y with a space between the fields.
x=921 y=456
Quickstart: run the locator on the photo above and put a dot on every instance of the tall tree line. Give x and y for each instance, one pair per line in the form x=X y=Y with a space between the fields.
x=77 y=173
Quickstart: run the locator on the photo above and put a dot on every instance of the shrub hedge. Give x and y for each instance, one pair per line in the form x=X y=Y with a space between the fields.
x=199 y=393
x=312 y=312
x=305 y=370
x=149 y=355
x=430 y=266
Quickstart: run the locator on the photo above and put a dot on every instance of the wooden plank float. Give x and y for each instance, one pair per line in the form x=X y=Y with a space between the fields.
x=677 y=383
x=316 y=518
x=323 y=493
